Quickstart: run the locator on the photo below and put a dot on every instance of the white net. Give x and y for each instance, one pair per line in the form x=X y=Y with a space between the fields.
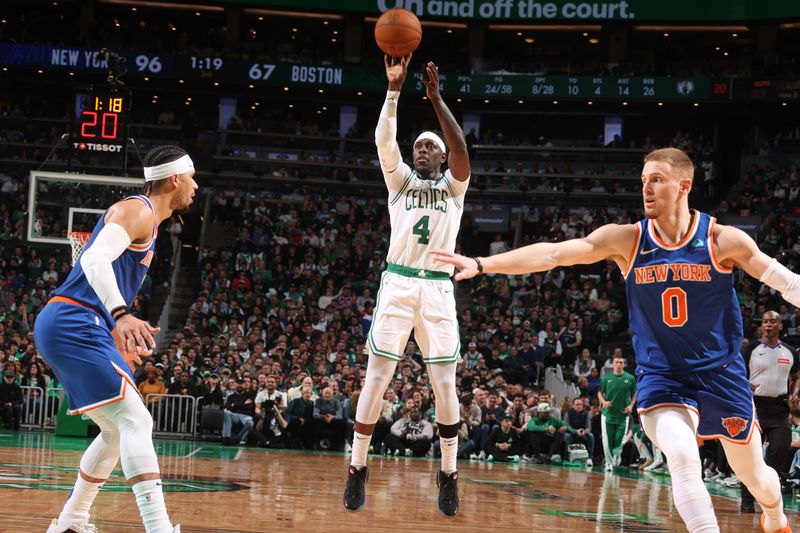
x=78 y=239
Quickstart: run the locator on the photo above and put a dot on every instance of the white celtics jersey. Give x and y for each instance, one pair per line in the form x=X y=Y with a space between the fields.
x=424 y=214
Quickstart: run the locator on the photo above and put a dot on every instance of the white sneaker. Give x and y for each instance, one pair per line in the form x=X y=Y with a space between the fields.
x=715 y=478
x=85 y=528
x=589 y=463
x=609 y=467
x=396 y=452
x=473 y=457
x=732 y=482
x=347 y=447
x=652 y=466
x=177 y=529
x=482 y=455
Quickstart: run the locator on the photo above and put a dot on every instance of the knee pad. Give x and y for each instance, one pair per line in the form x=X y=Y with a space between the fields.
x=102 y=455
x=135 y=429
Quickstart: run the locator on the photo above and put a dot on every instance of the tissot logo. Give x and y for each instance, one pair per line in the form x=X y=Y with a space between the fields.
x=96 y=147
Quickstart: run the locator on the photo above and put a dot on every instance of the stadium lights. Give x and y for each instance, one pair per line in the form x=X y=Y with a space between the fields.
x=165 y=5
x=293 y=14
x=539 y=27
x=691 y=28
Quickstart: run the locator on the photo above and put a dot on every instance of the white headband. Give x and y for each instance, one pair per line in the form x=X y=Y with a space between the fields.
x=433 y=137
x=165 y=170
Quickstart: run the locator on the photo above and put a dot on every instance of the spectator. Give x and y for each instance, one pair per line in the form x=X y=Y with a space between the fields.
x=578 y=418
x=410 y=435
x=328 y=421
x=151 y=386
x=546 y=436
x=239 y=409
x=10 y=400
x=301 y=415
x=504 y=442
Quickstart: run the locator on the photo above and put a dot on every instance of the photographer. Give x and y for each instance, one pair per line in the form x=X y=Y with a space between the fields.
x=272 y=424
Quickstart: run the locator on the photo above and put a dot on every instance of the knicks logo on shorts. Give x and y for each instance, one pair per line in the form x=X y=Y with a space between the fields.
x=147 y=258
x=734 y=425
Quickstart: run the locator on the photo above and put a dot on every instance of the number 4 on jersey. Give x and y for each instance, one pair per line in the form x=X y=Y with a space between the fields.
x=421 y=229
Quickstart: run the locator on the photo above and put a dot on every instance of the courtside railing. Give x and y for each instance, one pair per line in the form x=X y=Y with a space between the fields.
x=174 y=415
x=33 y=405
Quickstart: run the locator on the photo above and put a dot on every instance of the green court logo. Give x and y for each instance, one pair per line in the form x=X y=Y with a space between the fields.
x=25 y=476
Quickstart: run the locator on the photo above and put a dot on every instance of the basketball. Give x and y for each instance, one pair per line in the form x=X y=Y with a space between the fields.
x=398 y=32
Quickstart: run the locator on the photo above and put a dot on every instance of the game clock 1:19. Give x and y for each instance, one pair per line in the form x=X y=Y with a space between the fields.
x=101 y=117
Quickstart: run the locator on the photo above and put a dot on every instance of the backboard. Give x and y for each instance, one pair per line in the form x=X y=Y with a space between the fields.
x=59 y=202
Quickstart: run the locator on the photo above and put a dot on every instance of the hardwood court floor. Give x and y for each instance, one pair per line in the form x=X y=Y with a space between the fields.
x=211 y=488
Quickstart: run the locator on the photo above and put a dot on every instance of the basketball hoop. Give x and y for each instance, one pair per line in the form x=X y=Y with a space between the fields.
x=78 y=239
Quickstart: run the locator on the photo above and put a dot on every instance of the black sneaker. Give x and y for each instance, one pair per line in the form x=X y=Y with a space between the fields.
x=748 y=507
x=354 y=494
x=448 y=493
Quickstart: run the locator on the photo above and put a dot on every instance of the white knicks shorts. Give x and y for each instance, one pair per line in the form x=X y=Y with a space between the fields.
x=427 y=306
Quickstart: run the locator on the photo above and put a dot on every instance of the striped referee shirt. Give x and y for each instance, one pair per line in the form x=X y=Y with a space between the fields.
x=769 y=367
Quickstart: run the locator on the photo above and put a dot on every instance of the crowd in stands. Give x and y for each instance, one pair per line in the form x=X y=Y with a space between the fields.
x=274 y=342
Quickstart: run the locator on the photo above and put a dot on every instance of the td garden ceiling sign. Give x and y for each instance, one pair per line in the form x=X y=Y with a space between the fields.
x=576 y=11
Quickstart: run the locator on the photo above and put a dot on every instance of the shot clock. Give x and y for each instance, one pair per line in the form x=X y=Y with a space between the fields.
x=101 y=120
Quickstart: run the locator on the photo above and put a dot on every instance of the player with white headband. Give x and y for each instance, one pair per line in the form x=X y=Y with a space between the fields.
x=90 y=338
x=425 y=207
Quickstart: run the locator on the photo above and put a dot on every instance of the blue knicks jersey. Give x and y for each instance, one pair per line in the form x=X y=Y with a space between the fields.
x=130 y=269
x=683 y=309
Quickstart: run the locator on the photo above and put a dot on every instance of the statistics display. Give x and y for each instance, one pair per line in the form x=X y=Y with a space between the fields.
x=354 y=77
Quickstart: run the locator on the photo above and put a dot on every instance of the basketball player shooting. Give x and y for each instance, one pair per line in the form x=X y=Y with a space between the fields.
x=687 y=330
x=425 y=207
x=76 y=333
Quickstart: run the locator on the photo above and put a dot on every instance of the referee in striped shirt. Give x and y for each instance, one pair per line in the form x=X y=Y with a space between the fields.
x=772 y=368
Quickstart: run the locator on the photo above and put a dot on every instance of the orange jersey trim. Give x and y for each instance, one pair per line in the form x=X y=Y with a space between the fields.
x=67 y=300
x=679 y=244
x=121 y=396
x=634 y=251
x=717 y=265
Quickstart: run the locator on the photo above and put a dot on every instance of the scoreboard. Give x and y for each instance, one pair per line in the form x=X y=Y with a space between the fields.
x=101 y=119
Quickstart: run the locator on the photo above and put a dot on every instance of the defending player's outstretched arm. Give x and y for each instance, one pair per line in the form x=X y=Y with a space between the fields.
x=736 y=247
x=611 y=241
x=458 y=159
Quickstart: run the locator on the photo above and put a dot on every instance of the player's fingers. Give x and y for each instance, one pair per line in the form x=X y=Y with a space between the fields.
x=130 y=343
x=151 y=342
x=141 y=344
x=151 y=328
x=386 y=60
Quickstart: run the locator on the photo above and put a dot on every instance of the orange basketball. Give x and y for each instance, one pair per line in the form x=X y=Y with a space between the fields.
x=398 y=32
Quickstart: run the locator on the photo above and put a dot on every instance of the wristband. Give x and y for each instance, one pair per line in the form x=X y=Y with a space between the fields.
x=480 y=266
x=119 y=312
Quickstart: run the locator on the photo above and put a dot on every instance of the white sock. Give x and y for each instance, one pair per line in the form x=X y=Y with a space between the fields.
x=449 y=452
x=360 y=449
x=697 y=517
x=76 y=510
x=150 y=499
